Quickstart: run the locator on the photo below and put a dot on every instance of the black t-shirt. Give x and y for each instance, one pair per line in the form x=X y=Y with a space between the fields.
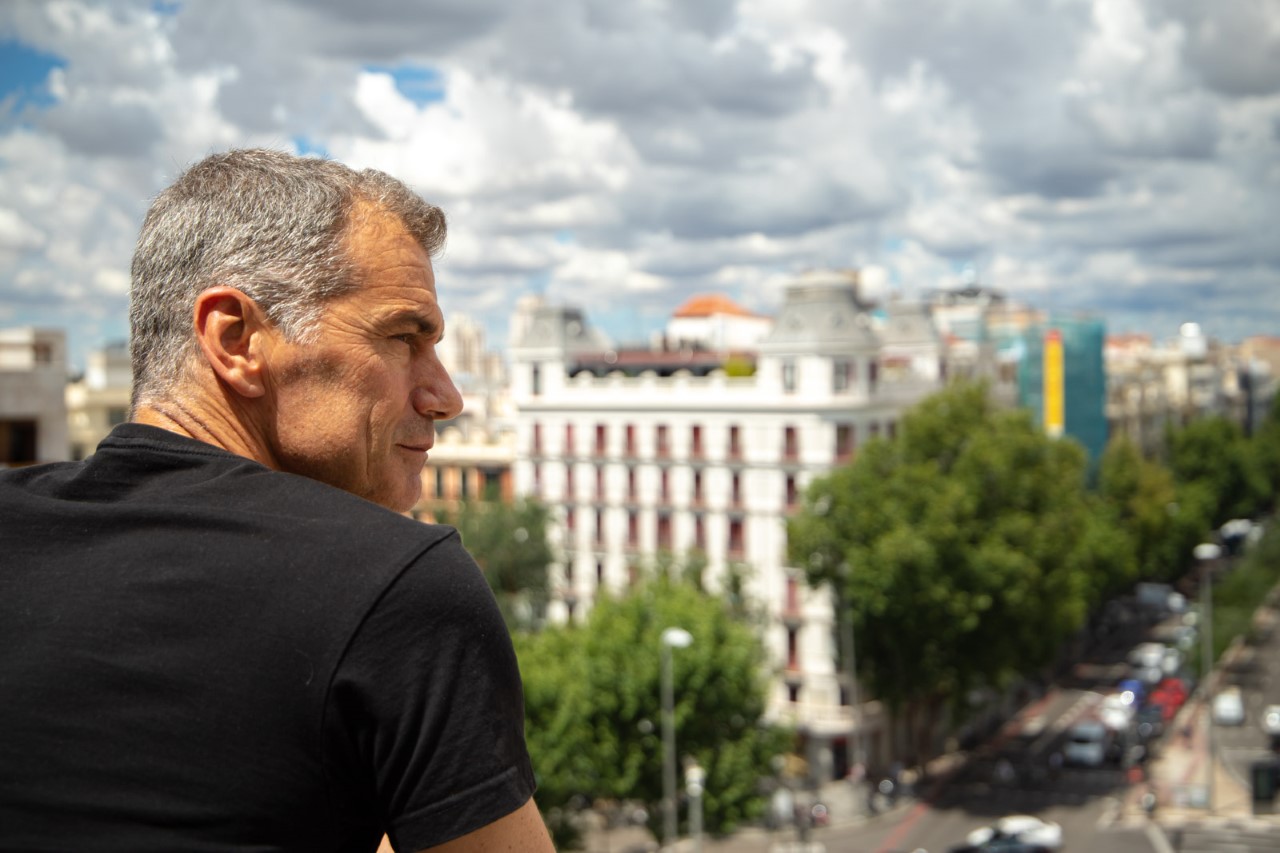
x=200 y=654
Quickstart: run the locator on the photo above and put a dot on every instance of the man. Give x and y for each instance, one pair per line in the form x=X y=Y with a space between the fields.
x=214 y=635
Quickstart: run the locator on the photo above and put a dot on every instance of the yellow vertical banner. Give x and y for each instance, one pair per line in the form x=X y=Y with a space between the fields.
x=1054 y=405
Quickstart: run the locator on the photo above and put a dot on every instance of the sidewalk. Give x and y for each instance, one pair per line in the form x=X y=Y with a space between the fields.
x=1179 y=775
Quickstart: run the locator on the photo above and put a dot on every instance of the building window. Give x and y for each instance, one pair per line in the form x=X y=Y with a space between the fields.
x=601 y=439
x=789 y=377
x=846 y=437
x=874 y=429
x=793 y=693
x=569 y=515
x=841 y=375
x=695 y=440
x=873 y=374
x=599 y=574
x=537 y=480
x=699 y=533
x=735 y=442
x=792 y=492
x=463 y=491
x=697 y=488
x=568 y=440
x=568 y=481
x=631 y=484
x=43 y=352
x=491 y=484
x=633 y=529
x=600 y=483
x=790 y=444
x=735 y=492
x=439 y=483
x=599 y=527
x=891 y=429
x=537 y=439
x=664 y=447
x=631 y=439
x=536 y=380
x=736 y=545
x=793 y=596
x=664 y=485
x=18 y=442
x=793 y=649
x=664 y=531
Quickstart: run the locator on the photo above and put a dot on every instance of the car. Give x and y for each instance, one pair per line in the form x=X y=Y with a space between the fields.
x=1087 y=743
x=1271 y=720
x=1018 y=833
x=1228 y=707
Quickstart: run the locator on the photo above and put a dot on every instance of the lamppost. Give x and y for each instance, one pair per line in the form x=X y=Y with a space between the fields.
x=1206 y=553
x=854 y=745
x=694 y=779
x=672 y=638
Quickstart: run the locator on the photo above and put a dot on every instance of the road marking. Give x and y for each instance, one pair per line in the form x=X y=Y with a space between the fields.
x=1156 y=836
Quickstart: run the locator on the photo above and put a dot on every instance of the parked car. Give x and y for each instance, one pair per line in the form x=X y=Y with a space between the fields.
x=1146 y=655
x=1228 y=707
x=1087 y=743
x=1017 y=833
x=1169 y=695
x=1271 y=719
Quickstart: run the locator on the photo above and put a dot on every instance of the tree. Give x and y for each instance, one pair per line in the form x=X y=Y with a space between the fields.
x=1214 y=452
x=967 y=550
x=593 y=705
x=1162 y=518
x=1266 y=453
x=509 y=541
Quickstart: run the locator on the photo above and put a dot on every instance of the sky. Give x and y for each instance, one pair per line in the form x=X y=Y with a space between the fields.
x=1117 y=157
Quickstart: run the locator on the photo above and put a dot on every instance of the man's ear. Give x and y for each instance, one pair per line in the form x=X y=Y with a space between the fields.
x=231 y=330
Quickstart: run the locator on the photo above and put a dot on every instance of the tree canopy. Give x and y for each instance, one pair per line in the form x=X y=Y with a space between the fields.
x=967 y=547
x=593 y=706
x=509 y=541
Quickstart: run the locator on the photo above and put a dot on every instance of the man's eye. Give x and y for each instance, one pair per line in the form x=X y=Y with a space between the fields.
x=408 y=339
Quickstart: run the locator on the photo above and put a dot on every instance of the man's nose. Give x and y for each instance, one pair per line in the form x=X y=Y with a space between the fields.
x=435 y=396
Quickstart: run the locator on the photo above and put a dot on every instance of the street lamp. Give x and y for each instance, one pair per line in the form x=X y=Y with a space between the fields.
x=1205 y=553
x=672 y=638
x=855 y=755
x=694 y=780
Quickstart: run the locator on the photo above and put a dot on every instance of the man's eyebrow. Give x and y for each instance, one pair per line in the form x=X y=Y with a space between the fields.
x=426 y=325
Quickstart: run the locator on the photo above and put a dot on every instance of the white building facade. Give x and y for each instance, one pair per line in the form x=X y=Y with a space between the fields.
x=33 y=411
x=640 y=454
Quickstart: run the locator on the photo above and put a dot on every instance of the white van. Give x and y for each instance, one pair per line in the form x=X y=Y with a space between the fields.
x=1086 y=744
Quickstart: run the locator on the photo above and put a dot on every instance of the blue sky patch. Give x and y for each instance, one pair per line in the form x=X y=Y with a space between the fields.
x=24 y=71
x=305 y=145
x=418 y=83
x=166 y=7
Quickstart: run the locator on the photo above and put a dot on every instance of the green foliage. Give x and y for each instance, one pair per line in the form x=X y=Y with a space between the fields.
x=593 y=706
x=1215 y=453
x=509 y=541
x=967 y=547
x=1163 y=520
x=1266 y=453
x=1238 y=595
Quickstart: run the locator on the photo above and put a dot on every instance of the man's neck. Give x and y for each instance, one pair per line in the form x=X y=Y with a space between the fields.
x=210 y=425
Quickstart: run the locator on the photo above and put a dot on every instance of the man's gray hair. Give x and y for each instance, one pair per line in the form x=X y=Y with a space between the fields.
x=267 y=223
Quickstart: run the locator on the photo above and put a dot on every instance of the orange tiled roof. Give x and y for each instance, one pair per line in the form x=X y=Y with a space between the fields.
x=710 y=304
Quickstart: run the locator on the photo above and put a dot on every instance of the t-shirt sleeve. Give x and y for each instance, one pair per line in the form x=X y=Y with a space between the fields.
x=426 y=708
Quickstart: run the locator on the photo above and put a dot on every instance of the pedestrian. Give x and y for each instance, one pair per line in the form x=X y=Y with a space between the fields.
x=220 y=632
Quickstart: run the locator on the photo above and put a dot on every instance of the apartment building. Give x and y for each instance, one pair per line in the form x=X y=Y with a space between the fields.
x=99 y=400
x=33 y=412
x=695 y=448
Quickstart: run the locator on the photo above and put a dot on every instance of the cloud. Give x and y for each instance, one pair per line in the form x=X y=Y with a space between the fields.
x=1122 y=155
